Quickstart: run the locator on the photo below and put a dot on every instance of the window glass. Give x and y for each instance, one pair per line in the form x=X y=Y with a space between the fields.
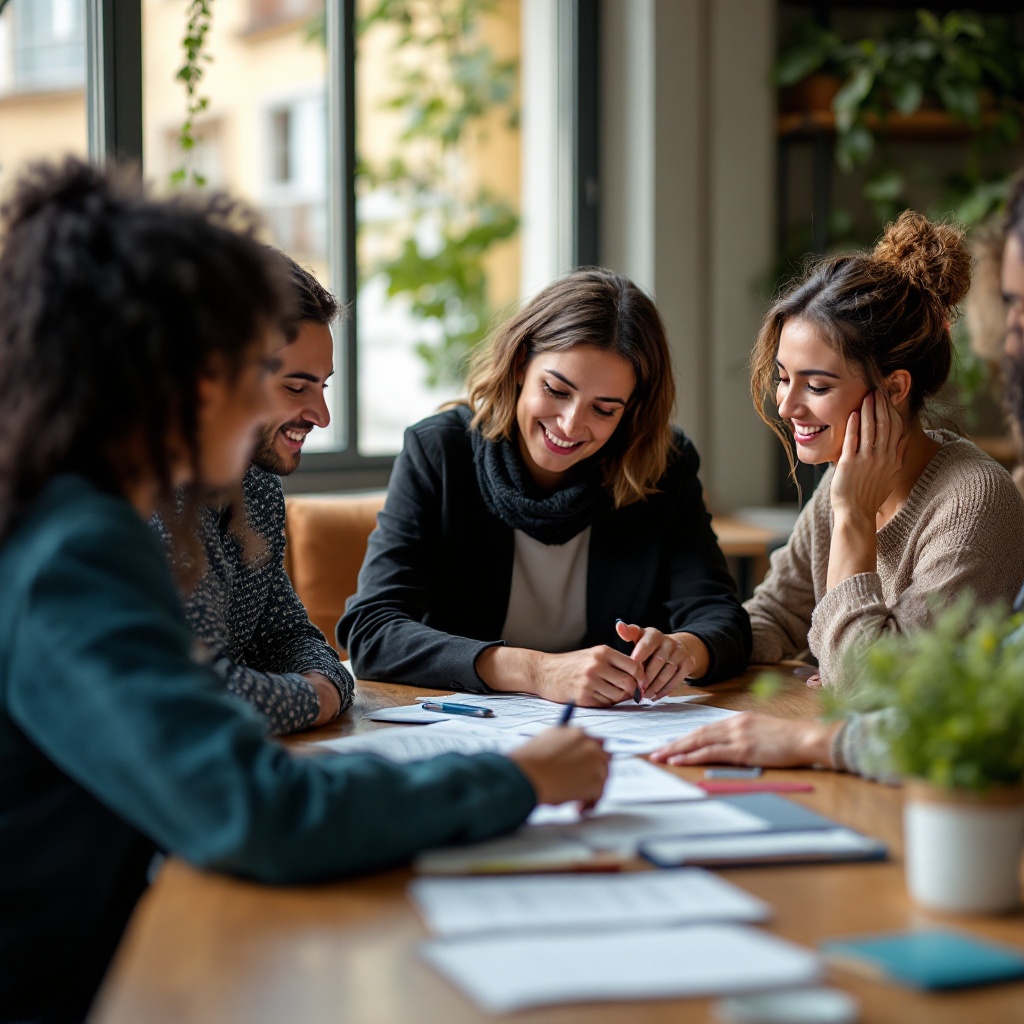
x=261 y=134
x=437 y=198
x=437 y=178
x=42 y=83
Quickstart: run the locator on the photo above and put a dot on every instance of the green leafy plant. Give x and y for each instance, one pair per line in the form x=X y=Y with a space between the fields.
x=200 y=13
x=956 y=694
x=448 y=84
x=967 y=65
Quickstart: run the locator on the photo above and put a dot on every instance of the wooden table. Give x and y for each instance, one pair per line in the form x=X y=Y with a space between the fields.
x=205 y=949
x=747 y=546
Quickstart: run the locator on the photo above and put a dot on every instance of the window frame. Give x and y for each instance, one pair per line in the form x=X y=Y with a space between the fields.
x=114 y=108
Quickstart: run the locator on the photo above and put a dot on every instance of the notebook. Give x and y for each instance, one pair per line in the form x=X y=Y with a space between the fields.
x=790 y=833
x=928 y=959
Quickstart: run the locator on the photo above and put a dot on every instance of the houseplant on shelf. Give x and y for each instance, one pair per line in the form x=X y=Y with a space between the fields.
x=954 y=730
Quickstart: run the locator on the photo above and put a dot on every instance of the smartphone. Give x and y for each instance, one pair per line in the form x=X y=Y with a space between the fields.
x=732 y=773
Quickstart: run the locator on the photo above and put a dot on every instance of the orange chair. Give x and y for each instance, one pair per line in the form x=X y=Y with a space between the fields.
x=325 y=543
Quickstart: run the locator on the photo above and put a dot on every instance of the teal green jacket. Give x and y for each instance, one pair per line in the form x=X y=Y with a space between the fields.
x=114 y=743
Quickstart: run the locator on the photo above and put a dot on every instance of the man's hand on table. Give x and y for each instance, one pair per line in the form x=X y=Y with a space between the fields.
x=327 y=696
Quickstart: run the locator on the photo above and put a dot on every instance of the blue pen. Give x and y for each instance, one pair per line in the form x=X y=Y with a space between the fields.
x=637 y=693
x=566 y=714
x=457 y=709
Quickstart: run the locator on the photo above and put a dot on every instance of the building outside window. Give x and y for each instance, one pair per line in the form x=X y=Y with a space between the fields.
x=441 y=218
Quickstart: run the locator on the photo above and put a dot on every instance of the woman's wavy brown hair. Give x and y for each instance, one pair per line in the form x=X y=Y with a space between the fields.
x=607 y=311
x=884 y=310
x=112 y=306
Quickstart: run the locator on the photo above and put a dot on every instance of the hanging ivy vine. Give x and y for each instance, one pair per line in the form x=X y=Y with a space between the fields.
x=191 y=73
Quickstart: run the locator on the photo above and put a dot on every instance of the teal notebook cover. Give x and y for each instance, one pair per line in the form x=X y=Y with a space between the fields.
x=929 y=959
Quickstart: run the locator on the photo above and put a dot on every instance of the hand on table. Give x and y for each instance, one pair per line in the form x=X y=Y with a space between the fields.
x=596 y=677
x=666 y=660
x=327 y=696
x=753 y=739
x=564 y=764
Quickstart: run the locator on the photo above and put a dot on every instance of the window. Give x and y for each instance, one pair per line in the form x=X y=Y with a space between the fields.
x=48 y=44
x=293 y=197
x=386 y=144
x=42 y=83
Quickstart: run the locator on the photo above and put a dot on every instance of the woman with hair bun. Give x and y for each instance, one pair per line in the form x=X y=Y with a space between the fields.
x=520 y=525
x=904 y=517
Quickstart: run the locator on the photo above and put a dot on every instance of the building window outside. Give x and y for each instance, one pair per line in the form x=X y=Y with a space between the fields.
x=48 y=44
x=42 y=84
x=439 y=203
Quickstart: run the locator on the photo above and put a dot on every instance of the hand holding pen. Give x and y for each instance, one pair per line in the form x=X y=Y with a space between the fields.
x=564 y=764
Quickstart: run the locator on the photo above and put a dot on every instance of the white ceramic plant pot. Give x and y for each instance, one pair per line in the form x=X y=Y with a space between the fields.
x=963 y=849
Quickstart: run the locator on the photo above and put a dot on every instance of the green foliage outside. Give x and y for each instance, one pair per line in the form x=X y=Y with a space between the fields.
x=447 y=81
x=957 y=694
x=969 y=65
x=191 y=73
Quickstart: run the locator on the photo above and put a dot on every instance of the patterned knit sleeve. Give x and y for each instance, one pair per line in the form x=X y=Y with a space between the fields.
x=284 y=644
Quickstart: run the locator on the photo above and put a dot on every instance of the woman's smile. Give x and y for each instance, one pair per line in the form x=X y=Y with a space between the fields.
x=816 y=392
x=569 y=404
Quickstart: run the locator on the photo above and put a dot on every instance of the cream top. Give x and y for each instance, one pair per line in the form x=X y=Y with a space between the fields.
x=547 y=602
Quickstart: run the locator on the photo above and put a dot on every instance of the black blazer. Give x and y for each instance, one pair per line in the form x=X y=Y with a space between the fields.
x=434 y=588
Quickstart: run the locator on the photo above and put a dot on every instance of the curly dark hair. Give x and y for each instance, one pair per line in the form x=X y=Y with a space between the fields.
x=112 y=305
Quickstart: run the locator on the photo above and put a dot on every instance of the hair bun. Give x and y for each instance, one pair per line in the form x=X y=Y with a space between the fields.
x=932 y=255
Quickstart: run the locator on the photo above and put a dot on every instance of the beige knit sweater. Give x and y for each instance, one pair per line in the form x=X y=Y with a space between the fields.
x=961 y=528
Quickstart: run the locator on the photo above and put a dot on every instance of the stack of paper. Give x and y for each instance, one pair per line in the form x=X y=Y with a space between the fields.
x=464 y=736
x=504 y=973
x=469 y=906
x=627 y=728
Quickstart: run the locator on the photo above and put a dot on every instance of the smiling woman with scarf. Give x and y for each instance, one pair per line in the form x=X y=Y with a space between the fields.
x=521 y=524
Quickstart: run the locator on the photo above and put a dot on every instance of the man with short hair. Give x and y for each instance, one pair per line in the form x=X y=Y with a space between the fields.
x=244 y=611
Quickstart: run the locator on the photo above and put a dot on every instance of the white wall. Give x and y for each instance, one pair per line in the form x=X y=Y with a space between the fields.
x=688 y=166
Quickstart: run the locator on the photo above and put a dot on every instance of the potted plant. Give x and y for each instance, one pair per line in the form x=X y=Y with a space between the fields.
x=954 y=729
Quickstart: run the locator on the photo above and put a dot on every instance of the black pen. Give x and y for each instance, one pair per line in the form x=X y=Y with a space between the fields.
x=566 y=714
x=637 y=693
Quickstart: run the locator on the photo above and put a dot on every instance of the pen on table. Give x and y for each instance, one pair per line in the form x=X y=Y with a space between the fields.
x=566 y=714
x=457 y=709
x=637 y=693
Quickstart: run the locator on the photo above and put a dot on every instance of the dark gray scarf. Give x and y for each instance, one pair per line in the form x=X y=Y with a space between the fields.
x=511 y=495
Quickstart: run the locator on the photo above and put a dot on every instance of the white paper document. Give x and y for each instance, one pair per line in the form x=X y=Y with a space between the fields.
x=627 y=728
x=634 y=781
x=418 y=742
x=513 y=972
x=631 y=781
x=544 y=903
x=622 y=828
